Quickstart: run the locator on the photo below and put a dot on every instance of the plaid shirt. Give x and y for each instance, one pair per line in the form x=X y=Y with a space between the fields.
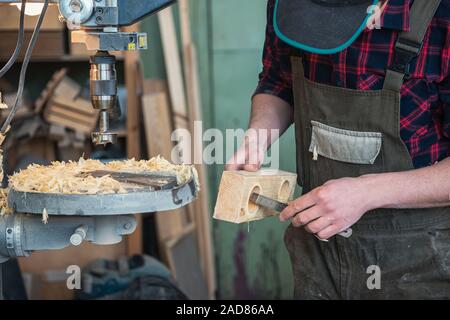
x=425 y=103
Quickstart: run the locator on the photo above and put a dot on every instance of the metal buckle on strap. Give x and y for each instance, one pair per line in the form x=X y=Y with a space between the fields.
x=405 y=52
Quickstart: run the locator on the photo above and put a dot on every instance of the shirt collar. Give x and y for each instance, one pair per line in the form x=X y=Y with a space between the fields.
x=396 y=15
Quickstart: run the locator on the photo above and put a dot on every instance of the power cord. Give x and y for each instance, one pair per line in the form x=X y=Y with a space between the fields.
x=23 y=70
x=19 y=44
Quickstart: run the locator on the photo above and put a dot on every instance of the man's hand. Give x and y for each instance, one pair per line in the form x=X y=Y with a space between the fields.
x=269 y=113
x=249 y=157
x=331 y=208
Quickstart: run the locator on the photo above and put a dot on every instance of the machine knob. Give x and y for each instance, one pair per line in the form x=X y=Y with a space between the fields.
x=76 y=12
x=78 y=236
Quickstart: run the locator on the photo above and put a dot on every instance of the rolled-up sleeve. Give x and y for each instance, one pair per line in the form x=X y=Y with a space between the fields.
x=276 y=76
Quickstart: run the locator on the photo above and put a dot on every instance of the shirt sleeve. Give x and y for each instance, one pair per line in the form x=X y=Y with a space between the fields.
x=444 y=94
x=276 y=76
x=444 y=87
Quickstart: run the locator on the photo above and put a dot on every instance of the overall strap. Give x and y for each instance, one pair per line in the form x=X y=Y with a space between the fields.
x=410 y=43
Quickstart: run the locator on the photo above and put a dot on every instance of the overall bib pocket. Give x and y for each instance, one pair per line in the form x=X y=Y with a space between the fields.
x=345 y=145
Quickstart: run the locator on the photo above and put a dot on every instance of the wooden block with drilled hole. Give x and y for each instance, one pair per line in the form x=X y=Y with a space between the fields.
x=233 y=203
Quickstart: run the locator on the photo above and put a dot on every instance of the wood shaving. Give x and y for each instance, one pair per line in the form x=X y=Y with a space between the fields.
x=4 y=209
x=66 y=178
x=45 y=216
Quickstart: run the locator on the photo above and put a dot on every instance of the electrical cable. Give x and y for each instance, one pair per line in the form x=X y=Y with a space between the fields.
x=23 y=70
x=19 y=44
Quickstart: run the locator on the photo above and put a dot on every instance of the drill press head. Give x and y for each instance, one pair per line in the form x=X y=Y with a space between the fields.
x=97 y=23
x=103 y=82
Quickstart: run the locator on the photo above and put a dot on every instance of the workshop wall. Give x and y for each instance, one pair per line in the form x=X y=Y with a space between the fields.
x=251 y=260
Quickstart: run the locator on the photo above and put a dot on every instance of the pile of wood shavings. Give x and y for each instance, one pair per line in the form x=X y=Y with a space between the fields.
x=66 y=178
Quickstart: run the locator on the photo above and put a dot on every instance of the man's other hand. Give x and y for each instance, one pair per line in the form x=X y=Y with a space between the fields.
x=331 y=208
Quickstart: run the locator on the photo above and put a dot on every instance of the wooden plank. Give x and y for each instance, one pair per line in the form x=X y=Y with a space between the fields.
x=133 y=80
x=202 y=211
x=65 y=122
x=73 y=114
x=80 y=105
x=67 y=89
x=158 y=129
x=157 y=121
x=174 y=76
x=49 y=89
x=181 y=115
x=133 y=76
x=172 y=61
x=233 y=200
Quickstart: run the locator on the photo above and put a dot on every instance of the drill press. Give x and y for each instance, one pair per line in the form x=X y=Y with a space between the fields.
x=100 y=219
x=96 y=23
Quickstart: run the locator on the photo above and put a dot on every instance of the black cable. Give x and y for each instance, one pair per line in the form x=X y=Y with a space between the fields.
x=23 y=70
x=19 y=44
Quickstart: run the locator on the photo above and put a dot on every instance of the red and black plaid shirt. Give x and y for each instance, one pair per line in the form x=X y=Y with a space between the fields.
x=425 y=104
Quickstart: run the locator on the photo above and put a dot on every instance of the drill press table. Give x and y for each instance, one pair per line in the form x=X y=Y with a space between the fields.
x=133 y=202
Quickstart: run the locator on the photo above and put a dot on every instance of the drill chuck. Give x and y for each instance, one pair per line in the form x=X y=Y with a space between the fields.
x=103 y=85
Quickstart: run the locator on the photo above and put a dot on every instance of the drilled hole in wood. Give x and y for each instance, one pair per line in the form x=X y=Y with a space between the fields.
x=285 y=192
x=253 y=207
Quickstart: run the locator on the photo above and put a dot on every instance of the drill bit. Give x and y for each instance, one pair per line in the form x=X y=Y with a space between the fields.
x=103 y=137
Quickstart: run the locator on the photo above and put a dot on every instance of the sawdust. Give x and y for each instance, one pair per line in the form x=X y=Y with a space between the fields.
x=45 y=216
x=4 y=209
x=68 y=178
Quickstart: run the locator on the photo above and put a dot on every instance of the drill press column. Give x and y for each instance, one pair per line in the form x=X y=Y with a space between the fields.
x=104 y=94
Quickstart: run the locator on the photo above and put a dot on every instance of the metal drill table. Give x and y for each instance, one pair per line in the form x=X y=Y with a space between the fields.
x=133 y=202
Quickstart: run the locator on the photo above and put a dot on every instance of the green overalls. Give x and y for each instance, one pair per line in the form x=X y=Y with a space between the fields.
x=348 y=133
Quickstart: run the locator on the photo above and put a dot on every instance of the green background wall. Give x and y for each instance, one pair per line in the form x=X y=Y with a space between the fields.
x=252 y=261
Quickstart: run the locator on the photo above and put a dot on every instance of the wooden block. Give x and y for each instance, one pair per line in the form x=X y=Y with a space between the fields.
x=67 y=89
x=66 y=109
x=233 y=203
x=69 y=123
x=80 y=105
x=51 y=86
